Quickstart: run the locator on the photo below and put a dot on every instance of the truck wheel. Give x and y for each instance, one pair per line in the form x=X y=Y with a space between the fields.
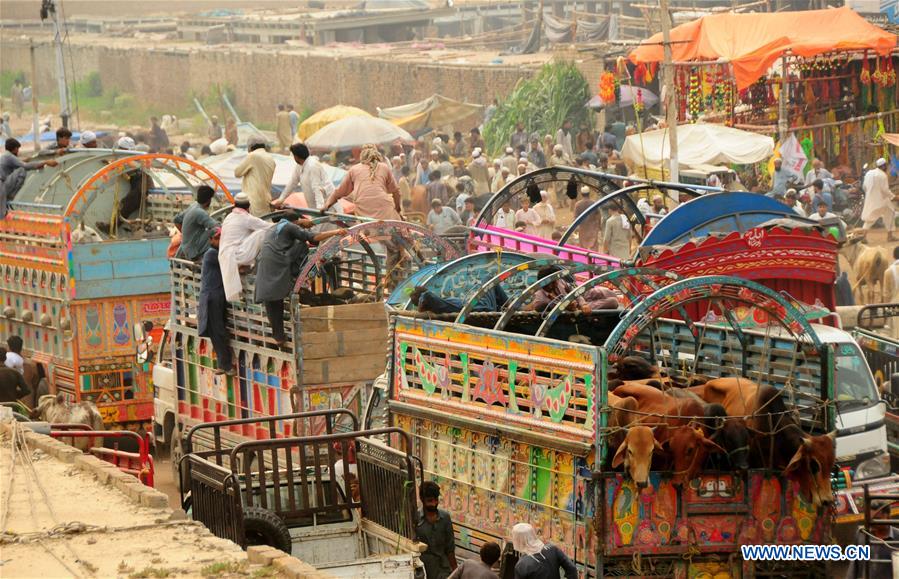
x=263 y=527
x=175 y=454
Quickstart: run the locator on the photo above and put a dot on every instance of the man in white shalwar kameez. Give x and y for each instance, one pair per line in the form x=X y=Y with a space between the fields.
x=878 y=199
x=241 y=241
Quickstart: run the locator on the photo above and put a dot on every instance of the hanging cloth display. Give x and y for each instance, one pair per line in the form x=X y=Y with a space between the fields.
x=558 y=31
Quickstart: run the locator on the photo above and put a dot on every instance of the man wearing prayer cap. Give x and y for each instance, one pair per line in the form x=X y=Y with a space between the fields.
x=479 y=172
x=241 y=241
x=879 y=199
x=509 y=159
x=126 y=143
x=88 y=140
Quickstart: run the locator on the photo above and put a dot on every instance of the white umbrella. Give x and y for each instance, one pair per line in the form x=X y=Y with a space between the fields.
x=352 y=132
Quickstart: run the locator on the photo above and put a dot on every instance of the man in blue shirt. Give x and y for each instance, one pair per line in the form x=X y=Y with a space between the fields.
x=779 y=179
x=820 y=195
x=197 y=226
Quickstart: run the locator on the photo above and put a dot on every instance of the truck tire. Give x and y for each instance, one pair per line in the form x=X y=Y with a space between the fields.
x=263 y=527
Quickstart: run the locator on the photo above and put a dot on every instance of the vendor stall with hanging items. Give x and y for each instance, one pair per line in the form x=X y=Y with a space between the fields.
x=828 y=75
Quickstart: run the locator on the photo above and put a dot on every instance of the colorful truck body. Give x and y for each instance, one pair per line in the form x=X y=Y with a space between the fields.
x=73 y=294
x=514 y=425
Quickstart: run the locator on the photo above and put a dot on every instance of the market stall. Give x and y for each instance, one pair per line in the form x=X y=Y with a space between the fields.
x=827 y=75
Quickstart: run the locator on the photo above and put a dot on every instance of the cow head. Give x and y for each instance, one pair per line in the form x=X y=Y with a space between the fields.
x=635 y=453
x=689 y=448
x=734 y=437
x=811 y=467
x=636 y=368
x=45 y=403
x=732 y=434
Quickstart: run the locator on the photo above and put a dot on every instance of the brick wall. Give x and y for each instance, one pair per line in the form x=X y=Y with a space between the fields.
x=259 y=80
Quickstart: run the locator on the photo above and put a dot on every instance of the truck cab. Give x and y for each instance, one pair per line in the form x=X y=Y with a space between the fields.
x=860 y=419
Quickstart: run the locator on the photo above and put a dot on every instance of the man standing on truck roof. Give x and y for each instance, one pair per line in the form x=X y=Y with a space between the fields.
x=212 y=307
x=197 y=226
x=434 y=527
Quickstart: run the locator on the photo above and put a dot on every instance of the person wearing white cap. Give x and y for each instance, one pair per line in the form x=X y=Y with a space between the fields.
x=538 y=559
x=241 y=241
x=560 y=159
x=509 y=160
x=257 y=171
x=588 y=230
x=500 y=179
x=126 y=143
x=88 y=140
x=547 y=216
x=479 y=173
x=879 y=199
x=434 y=163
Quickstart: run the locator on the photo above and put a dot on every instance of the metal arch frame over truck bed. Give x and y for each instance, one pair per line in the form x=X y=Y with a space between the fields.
x=80 y=298
x=538 y=408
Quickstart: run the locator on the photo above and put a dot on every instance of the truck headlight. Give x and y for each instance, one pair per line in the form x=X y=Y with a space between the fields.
x=873 y=467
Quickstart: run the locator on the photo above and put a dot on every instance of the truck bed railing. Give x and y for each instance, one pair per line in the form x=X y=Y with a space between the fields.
x=208 y=435
x=308 y=481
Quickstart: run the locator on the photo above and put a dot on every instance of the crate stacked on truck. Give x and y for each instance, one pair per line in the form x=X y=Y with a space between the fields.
x=74 y=283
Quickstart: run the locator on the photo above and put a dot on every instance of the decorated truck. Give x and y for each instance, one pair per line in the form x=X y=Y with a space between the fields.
x=510 y=413
x=82 y=259
x=336 y=323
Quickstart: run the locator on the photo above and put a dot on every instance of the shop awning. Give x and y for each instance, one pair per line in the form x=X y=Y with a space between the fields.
x=698 y=144
x=753 y=42
x=433 y=112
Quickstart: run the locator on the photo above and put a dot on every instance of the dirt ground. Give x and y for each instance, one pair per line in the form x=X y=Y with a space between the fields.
x=60 y=521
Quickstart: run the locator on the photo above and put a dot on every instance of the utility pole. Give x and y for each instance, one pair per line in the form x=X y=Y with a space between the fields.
x=670 y=92
x=36 y=121
x=783 y=121
x=48 y=10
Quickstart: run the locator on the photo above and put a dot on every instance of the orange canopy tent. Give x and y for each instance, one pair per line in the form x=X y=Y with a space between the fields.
x=752 y=42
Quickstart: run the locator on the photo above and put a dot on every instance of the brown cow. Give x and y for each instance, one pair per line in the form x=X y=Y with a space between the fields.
x=635 y=453
x=672 y=415
x=780 y=442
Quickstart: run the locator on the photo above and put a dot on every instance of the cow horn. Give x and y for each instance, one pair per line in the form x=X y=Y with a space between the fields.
x=832 y=435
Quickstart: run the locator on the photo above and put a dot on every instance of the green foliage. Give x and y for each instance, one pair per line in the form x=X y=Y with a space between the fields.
x=153 y=573
x=8 y=78
x=558 y=93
